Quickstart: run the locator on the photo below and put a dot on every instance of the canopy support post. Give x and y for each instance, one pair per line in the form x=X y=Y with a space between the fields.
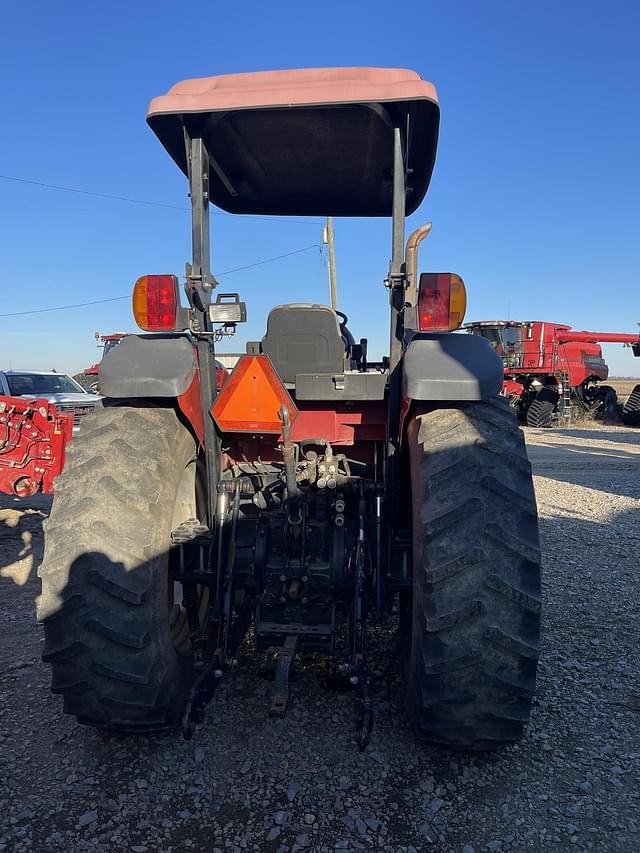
x=396 y=268
x=199 y=271
x=200 y=284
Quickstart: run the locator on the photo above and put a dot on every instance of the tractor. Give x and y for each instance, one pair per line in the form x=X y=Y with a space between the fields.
x=89 y=376
x=312 y=492
x=553 y=372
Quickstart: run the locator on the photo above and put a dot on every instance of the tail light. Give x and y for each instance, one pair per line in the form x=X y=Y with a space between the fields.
x=442 y=302
x=155 y=302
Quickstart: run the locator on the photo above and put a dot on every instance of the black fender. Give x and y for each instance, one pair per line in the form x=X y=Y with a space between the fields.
x=161 y=365
x=451 y=367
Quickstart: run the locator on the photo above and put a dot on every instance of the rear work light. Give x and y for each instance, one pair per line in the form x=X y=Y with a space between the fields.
x=228 y=309
x=442 y=302
x=155 y=303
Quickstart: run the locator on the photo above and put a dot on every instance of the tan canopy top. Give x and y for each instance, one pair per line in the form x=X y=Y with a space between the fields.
x=305 y=142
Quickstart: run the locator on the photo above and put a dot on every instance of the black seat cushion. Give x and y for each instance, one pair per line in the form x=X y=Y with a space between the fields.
x=304 y=338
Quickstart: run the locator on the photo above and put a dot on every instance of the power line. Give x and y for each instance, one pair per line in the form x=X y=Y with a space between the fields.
x=151 y=203
x=266 y=261
x=91 y=193
x=128 y=296
x=65 y=307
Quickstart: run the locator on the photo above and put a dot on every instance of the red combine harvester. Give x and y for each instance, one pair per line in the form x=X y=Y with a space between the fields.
x=89 y=377
x=33 y=439
x=551 y=370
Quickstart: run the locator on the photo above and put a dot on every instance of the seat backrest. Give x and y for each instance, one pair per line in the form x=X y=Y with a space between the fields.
x=304 y=338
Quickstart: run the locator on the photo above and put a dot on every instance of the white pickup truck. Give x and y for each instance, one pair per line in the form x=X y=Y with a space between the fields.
x=68 y=396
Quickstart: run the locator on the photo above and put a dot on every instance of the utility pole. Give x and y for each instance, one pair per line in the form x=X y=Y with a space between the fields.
x=332 y=263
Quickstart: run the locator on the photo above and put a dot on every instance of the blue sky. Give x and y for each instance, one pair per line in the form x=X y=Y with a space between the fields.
x=535 y=198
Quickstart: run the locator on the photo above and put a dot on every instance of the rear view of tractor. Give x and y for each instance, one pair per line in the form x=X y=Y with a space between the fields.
x=313 y=490
x=553 y=373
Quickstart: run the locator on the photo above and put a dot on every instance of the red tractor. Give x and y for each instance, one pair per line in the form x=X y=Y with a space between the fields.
x=317 y=491
x=550 y=370
x=89 y=377
x=33 y=439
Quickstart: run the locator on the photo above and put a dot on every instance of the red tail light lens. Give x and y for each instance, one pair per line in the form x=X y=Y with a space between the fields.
x=442 y=302
x=155 y=302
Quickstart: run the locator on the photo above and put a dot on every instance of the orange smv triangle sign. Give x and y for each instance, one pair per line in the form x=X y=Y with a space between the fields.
x=252 y=397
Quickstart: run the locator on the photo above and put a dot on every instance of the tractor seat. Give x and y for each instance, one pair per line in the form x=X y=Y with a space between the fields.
x=305 y=338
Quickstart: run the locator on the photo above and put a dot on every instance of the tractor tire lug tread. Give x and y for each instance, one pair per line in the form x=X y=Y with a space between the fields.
x=470 y=673
x=104 y=573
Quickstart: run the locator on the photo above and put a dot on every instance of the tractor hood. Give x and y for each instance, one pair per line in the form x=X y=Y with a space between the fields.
x=311 y=142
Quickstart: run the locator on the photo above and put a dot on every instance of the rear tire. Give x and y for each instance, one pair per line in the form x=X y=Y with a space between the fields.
x=119 y=651
x=476 y=591
x=631 y=409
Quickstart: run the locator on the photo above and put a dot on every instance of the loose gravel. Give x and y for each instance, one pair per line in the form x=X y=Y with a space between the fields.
x=249 y=782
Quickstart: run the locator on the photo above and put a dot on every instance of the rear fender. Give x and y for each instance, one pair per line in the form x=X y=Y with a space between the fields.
x=149 y=366
x=449 y=368
x=160 y=367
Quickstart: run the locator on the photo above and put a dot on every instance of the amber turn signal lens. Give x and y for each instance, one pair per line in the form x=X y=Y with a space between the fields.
x=155 y=302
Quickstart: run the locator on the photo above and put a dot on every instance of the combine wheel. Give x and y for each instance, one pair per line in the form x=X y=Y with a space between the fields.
x=476 y=591
x=84 y=379
x=604 y=403
x=118 y=645
x=540 y=414
x=631 y=409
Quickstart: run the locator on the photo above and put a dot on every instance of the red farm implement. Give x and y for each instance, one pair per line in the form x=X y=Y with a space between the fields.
x=33 y=438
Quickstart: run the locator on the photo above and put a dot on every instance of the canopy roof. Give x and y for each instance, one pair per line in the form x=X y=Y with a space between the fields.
x=313 y=141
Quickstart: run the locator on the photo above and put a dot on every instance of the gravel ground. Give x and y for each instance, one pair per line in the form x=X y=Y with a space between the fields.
x=250 y=782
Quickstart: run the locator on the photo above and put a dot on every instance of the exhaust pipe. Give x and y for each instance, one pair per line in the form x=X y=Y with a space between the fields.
x=411 y=263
